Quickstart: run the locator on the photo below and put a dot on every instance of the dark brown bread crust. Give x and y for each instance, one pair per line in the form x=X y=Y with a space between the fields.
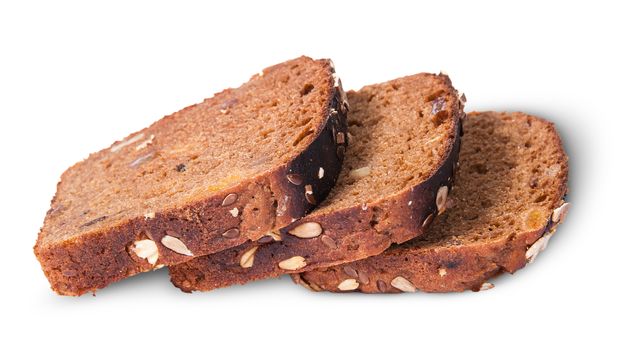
x=354 y=233
x=445 y=268
x=266 y=202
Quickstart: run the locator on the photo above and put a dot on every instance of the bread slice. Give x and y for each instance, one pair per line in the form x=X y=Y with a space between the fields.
x=404 y=142
x=201 y=180
x=507 y=203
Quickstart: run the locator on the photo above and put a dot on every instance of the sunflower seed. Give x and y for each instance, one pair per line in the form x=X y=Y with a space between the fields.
x=537 y=247
x=560 y=213
x=363 y=277
x=295 y=179
x=293 y=263
x=145 y=143
x=360 y=172
x=265 y=239
x=307 y=230
x=382 y=286
x=229 y=200
x=442 y=197
x=350 y=271
x=308 y=193
x=125 y=143
x=275 y=235
x=427 y=222
x=402 y=284
x=176 y=245
x=231 y=233
x=146 y=249
x=328 y=241
x=141 y=160
x=348 y=284
x=247 y=259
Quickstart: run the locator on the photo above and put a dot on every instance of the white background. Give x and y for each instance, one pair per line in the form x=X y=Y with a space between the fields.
x=74 y=77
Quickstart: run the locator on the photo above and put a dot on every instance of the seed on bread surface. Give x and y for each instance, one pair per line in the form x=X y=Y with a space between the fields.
x=560 y=213
x=126 y=142
x=329 y=241
x=248 y=257
x=442 y=197
x=295 y=179
x=293 y=263
x=350 y=271
x=363 y=277
x=359 y=173
x=537 y=247
x=176 y=245
x=231 y=233
x=348 y=284
x=308 y=193
x=229 y=199
x=307 y=230
x=427 y=222
x=146 y=249
x=403 y=284
x=382 y=286
x=145 y=143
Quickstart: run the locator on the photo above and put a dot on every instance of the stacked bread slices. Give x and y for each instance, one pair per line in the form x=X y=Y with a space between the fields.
x=289 y=174
x=505 y=206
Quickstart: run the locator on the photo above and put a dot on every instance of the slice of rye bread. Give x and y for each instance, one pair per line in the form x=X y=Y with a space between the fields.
x=201 y=180
x=404 y=142
x=507 y=203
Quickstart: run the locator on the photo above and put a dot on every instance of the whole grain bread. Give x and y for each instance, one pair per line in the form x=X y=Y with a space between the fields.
x=207 y=178
x=507 y=203
x=404 y=142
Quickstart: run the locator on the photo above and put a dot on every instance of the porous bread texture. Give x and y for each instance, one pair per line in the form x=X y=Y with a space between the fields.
x=206 y=178
x=404 y=140
x=507 y=202
x=401 y=132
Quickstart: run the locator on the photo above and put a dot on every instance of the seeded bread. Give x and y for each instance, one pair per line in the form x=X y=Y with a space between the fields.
x=404 y=142
x=201 y=180
x=507 y=203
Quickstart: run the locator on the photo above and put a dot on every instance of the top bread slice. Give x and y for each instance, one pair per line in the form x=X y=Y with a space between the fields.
x=207 y=178
x=507 y=203
x=404 y=142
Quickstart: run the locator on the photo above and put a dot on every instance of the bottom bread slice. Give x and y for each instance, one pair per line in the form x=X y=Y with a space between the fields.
x=506 y=205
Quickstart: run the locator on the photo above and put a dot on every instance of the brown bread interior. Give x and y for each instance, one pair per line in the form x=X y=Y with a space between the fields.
x=399 y=141
x=200 y=150
x=512 y=178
